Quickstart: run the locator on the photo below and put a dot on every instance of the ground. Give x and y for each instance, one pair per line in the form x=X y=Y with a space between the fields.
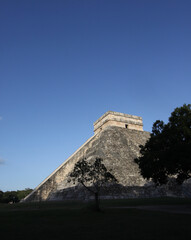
x=120 y=219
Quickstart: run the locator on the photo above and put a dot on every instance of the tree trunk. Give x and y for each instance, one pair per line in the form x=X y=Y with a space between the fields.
x=97 y=202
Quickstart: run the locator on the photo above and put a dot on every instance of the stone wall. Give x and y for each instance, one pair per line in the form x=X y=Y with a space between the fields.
x=116 y=146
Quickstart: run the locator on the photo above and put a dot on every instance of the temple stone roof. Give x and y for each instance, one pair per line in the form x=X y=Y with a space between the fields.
x=119 y=120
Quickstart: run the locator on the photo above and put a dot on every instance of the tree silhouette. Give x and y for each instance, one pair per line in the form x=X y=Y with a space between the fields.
x=168 y=151
x=92 y=175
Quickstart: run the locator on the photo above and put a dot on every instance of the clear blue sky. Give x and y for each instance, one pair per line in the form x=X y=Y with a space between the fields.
x=64 y=63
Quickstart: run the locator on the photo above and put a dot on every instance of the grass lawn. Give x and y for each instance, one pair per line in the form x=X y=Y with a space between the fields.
x=73 y=220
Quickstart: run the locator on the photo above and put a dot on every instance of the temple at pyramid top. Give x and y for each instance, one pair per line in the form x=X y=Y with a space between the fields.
x=118 y=119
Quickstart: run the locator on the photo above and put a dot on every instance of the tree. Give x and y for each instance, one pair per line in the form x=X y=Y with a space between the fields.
x=92 y=175
x=21 y=194
x=10 y=197
x=13 y=196
x=1 y=196
x=168 y=151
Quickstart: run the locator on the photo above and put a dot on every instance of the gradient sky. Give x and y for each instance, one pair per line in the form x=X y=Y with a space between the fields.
x=64 y=63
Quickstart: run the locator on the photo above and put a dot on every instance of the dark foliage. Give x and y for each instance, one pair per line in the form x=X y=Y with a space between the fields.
x=168 y=151
x=14 y=196
x=93 y=176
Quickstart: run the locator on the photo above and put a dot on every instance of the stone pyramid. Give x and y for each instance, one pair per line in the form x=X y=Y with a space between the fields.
x=116 y=140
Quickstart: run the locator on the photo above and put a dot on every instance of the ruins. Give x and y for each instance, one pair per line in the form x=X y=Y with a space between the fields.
x=116 y=140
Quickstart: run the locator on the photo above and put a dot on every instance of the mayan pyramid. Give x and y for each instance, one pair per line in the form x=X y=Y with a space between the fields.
x=116 y=140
